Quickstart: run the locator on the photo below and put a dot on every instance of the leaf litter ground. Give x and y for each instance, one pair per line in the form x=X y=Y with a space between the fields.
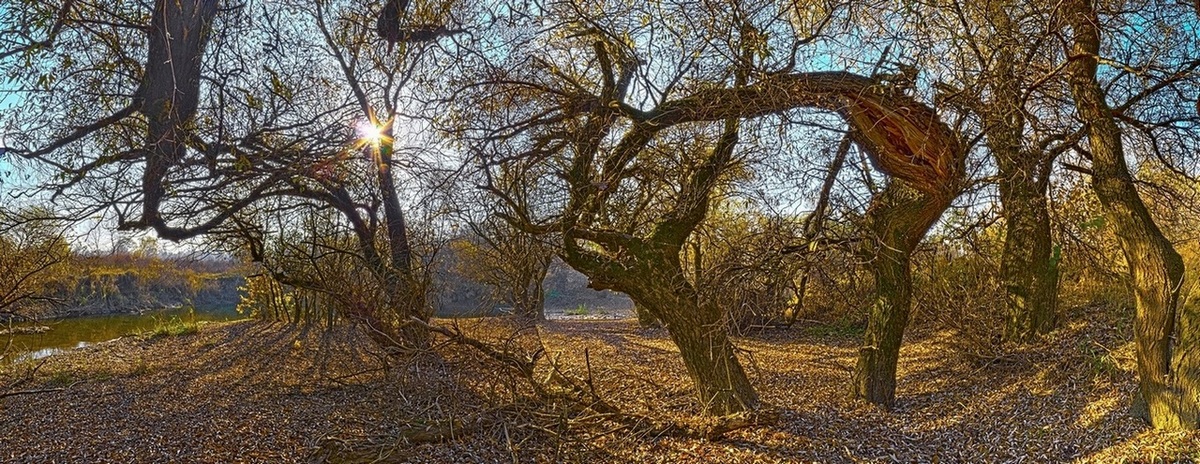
x=271 y=392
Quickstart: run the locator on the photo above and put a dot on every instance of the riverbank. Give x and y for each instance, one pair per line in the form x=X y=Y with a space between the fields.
x=52 y=336
x=102 y=294
x=263 y=392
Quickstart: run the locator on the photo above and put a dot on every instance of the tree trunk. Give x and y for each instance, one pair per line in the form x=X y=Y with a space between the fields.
x=1028 y=270
x=532 y=304
x=1029 y=277
x=397 y=229
x=1168 y=361
x=721 y=383
x=170 y=92
x=898 y=219
x=703 y=340
x=407 y=298
x=655 y=279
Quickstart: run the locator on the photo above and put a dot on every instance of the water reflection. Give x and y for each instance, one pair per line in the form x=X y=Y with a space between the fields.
x=69 y=334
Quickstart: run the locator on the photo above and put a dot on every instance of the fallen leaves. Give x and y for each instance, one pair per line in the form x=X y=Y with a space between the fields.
x=261 y=392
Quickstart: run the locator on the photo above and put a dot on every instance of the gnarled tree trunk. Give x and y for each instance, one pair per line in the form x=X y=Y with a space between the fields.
x=898 y=219
x=926 y=161
x=657 y=284
x=1168 y=360
x=1027 y=271
x=169 y=96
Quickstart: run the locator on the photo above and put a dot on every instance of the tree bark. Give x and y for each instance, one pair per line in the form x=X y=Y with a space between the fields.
x=654 y=277
x=703 y=341
x=698 y=329
x=531 y=302
x=1027 y=272
x=1168 y=360
x=169 y=93
x=407 y=298
x=898 y=219
x=397 y=229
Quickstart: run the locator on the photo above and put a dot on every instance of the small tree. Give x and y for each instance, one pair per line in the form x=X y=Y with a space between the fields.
x=33 y=255
x=513 y=263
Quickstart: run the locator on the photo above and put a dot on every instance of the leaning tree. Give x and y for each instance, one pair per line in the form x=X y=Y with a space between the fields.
x=1166 y=331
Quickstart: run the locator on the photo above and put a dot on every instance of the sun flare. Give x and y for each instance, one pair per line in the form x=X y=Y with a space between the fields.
x=370 y=132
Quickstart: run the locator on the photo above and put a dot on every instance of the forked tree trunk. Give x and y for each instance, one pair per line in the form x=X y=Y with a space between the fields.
x=531 y=299
x=1168 y=360
x=656 y=282
x=898 y=220
x=699 y=331
x=1027 y=271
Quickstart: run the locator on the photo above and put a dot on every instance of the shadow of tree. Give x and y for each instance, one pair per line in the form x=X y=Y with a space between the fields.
x=275 y=392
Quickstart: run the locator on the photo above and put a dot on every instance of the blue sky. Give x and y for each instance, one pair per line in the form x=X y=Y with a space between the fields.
x=8 y=102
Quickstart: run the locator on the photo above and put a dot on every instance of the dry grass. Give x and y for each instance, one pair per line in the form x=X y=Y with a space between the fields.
x=256 y=392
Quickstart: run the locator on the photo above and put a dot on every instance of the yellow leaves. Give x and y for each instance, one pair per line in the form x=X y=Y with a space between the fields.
x=253 y=101
x=45 y=81
x=281 y=89
x=808 y=15
x=242 y=164
x=278 y=87
x=464 y=246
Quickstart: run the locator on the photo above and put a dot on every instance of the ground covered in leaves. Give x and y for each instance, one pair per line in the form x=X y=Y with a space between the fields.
x=270 y=392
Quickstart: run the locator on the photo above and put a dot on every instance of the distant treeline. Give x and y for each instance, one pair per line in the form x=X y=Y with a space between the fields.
x=126 y=282
x=564 y=288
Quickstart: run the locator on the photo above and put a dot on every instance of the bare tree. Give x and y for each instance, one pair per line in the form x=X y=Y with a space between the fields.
x=605 y=144
x=231 y=109
x=512 y=262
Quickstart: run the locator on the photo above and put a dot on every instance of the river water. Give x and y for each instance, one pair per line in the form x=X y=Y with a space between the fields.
x=70 y=333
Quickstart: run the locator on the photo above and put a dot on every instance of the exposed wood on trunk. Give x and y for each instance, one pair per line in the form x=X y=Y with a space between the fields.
x=899 y=216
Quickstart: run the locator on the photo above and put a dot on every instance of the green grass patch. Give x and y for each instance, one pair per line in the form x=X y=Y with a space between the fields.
x=176 y=326
x=581 y=310
x=841 y=328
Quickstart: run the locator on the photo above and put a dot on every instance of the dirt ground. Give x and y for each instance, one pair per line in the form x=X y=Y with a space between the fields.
x=269 y=392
